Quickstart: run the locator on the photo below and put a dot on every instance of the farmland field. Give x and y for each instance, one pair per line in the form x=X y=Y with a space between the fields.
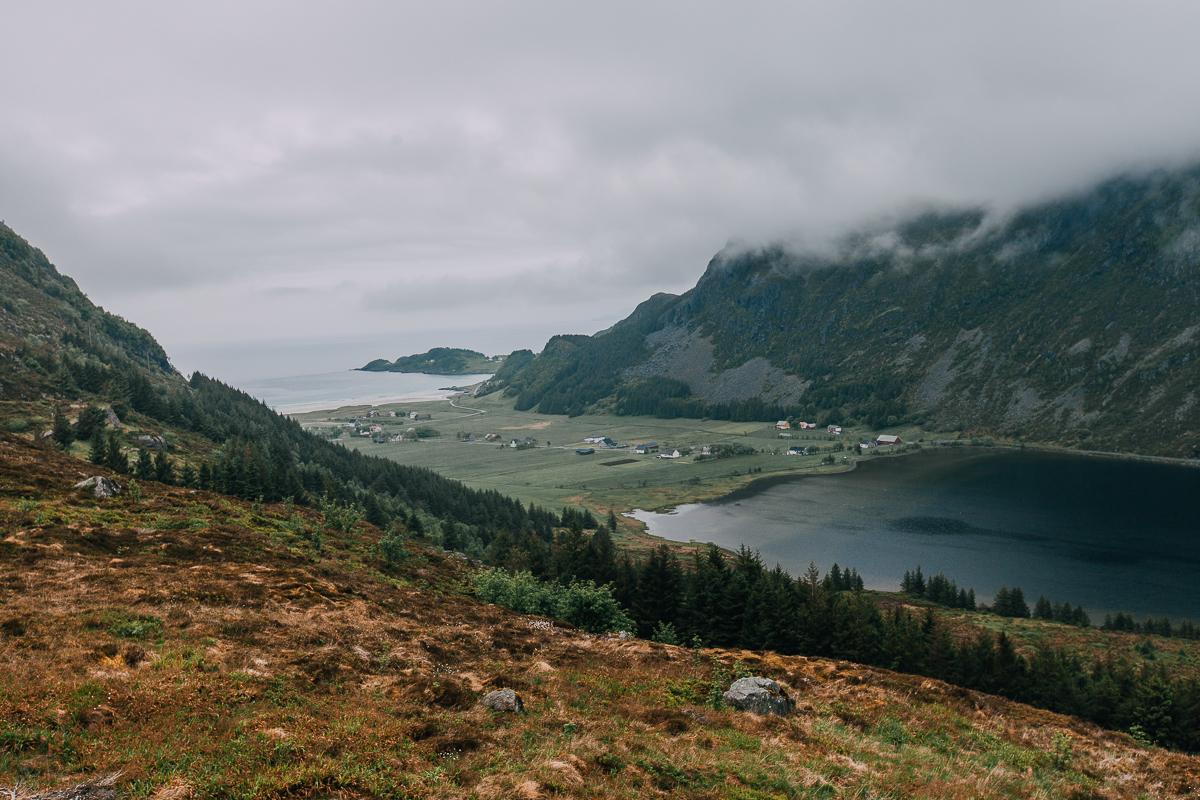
x=552 y=474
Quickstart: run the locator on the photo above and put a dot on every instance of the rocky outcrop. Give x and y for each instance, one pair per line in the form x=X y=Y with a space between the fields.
x=758 y=695
x=101 y=486
x=99 y=789
x=505 y=700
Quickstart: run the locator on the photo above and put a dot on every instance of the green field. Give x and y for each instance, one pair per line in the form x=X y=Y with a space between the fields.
x=552 y=474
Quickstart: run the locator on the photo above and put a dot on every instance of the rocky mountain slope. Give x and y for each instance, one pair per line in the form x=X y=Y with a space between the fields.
x=204 y=647
x=1073 y=321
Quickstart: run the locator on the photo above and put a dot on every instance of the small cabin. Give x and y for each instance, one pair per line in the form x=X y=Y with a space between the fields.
x=783 y=425
x=584 y=451
x=885 y=439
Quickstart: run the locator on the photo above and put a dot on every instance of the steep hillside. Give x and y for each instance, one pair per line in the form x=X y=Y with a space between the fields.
x=438 y=361
x=51 y=334
x=1070 y=322
x=205 y=647
x=103 y=386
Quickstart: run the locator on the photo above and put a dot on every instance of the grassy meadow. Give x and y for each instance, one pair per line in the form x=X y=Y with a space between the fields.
x=552 y=474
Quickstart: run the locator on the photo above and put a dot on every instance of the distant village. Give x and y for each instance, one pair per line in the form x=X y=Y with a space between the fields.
x=380 y=427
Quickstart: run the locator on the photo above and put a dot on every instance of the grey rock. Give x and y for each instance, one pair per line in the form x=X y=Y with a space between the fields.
x=99 y=789
x=151 y=442
x=101 y=486
x=111 y=419
x=503 y=700
x=759 y=695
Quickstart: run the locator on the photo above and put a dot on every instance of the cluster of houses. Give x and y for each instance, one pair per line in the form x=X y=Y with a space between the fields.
x=602 y=441
x=882 y=440
x=365 y=427
x=784 y=425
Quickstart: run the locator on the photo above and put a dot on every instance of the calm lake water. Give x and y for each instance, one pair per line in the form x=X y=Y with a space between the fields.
x=295 y=395
x=1106 y=534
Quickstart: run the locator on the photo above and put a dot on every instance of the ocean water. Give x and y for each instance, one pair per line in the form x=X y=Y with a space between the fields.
x=300 y=393
x=1110 y=535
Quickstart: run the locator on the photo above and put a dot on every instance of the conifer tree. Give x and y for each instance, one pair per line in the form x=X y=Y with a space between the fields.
x=62 y=432
x=1042 y=609
x=98 y=453
x=116 y=459
x=144 y=468
x=163 y=471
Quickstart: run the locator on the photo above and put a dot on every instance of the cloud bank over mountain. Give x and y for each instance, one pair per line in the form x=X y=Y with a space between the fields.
x=494 y=174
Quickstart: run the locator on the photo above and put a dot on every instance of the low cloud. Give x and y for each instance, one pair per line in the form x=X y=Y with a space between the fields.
x=268 y=172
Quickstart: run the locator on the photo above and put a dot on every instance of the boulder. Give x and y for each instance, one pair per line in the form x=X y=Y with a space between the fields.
x=148 y=442
x=101 y=486
x=98 y=789
x=759 y=695
x=111 y=419
x=503 y=700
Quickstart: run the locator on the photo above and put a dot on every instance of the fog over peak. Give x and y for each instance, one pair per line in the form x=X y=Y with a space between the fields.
x=315 y=186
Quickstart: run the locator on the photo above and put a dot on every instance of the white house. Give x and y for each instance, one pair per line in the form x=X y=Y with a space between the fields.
x=797 y=451
x=835 y=430
x=783 y=425
x=672 y=454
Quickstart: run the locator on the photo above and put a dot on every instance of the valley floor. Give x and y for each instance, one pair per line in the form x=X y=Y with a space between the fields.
x=552 y=474
x=202 y=648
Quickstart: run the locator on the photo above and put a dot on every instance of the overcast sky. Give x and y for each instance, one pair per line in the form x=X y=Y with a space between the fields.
x=282 y=188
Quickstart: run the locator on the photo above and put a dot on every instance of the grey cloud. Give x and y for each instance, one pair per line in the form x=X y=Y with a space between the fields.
x=270 y=169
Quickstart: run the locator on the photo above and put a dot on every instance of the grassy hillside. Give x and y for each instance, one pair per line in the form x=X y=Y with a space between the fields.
x=203 y=647
x=1071 y=322
x=99 y=384
x=438 y=361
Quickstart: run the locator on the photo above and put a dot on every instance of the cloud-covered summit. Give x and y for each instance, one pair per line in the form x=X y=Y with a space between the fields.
x=246 y=172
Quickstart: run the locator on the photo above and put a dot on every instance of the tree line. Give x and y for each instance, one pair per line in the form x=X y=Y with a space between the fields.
x=709 y=599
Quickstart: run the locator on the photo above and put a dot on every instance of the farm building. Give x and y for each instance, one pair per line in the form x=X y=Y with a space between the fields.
x=783 y=425
x=885 y=439
x=797 y=451
x=834 y=429
x=646 y=447
x=584 y=451
x=672 y=454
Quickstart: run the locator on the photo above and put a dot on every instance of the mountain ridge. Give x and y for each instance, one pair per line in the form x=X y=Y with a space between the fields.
x=1068 y=322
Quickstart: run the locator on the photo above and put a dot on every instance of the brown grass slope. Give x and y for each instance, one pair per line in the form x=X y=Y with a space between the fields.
x=203 y=648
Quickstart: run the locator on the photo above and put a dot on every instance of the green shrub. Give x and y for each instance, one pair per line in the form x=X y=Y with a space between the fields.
x=391 y=547
x=340 y=518
x=580 y=603
x=664 y=632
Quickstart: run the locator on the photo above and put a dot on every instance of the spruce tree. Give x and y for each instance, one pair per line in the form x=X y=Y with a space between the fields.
x=62 y=431
x=163 y=471
x=144 y=468
x=1042 y=609
x=116 y=459
x=98 y=454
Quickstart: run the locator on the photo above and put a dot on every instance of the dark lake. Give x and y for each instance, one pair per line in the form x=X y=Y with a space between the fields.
x=1107 y=534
